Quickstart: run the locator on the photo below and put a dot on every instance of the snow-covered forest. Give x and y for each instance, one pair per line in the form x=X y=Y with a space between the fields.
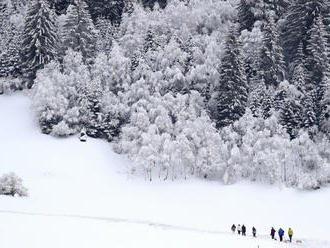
x=222 y=90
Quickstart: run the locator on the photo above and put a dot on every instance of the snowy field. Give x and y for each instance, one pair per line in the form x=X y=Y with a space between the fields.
x=81 y=196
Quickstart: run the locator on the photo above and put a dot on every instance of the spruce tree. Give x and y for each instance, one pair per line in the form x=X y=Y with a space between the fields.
x=79 y=31
x=10 y=60
x=299 y=20
x=271 y=63
x=246 y=17
x=231 y=92
x=325 y=124
x=109 y=9
x=261 y=101
x=39 y=42
x=10 y=36
x=290 y=117
x=318 y=65
x=279 y=7
x=309 y=120
x=300 y=74
x=317 y=52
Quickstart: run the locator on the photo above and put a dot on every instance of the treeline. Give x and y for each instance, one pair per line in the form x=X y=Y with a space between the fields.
x=218 y=89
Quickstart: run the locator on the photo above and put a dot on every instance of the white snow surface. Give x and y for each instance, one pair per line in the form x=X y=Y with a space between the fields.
x=80 y=195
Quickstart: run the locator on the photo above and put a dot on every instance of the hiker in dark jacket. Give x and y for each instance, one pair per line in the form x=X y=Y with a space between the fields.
x=280 y=234
x=272 y=233
x=243 y=230
x=254 y=231
x=233 y=228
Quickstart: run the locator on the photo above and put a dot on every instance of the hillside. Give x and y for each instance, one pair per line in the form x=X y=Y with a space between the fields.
x=81 y=196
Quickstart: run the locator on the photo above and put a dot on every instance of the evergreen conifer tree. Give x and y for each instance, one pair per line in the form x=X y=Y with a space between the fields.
x=318 y=50
x=231 y=92
x=40 y=41
x=309 y=120
x=325 y=124
x=299 y=20
x=300 y=75
x=79 y=31
x=10 y=36
x=109 y=9
x=271 y=63
x=290 y=116
x=246 y=17
x=318 y=65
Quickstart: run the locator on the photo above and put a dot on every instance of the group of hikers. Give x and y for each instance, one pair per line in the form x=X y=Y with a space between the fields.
x=242 y=230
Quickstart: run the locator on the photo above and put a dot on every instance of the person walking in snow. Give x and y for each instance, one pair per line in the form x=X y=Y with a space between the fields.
x=281 y=234
x=239 y=229
x=290 y=233
x=272 y=233
x=233 y=228
x=254 y=231
x=243 y=230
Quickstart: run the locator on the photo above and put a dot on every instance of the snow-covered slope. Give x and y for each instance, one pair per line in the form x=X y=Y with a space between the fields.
x=81 y=196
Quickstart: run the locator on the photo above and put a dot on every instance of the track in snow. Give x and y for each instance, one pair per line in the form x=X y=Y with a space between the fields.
x=115 y=220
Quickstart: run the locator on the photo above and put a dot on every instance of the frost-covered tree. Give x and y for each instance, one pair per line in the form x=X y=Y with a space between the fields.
x=230 y=98
x=161 y=138
x=310 y=170
x=171 y=62
x=258 y=149
x=39 y=41
x=11 y=184
x=79 y=32
x=204 y=74
x=113 y=71
x=105 y=94
x=252 y=41
x=250 y=11
x=106 y=35
x=59 y=96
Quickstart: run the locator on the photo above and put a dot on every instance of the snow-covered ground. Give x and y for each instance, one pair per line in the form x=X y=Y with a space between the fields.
x=81 y=196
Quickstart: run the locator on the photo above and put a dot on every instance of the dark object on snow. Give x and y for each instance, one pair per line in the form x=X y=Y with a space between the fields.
x=272 y=232
x=233 y=228
x=254 y=231
x=243 y=230
x=280 y=234
x=83 y=136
